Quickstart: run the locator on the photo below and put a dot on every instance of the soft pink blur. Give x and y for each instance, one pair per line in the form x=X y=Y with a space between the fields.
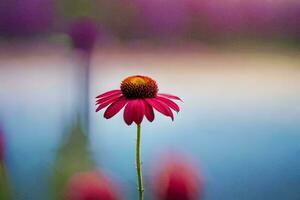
x=91 y=185
x=83 y=33
x=177 y=179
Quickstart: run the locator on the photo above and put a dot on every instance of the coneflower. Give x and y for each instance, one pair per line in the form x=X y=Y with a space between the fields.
x=139 y=95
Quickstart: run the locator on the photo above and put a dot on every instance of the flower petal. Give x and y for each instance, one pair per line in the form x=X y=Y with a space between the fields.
x=128 y=113
x=138 y=111
x=148 y=111
x=134 y=111
x=103 y=105
x=115 y=107
x=170 y=103
x=160 y=107
x=106 y=98
x=169 y=96
x=109 y=93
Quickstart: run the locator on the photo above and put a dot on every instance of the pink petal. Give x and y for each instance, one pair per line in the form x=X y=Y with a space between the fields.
x=160 y=107
x=115 y=107
x=108 y=93
x=101 y=106
x=106 y=98
x=169 y=96
x=170 y=103
x=138 y=111
x=128 y=113
x=148 y=111
x=134 y=111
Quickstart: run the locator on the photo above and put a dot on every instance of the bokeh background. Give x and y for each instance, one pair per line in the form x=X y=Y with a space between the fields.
x=236 y=65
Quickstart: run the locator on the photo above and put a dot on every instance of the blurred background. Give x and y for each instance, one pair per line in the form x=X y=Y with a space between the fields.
x=235 y=63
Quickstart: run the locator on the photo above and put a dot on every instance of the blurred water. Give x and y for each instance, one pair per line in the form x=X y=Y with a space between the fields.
x=37 y=88
x=239 y=121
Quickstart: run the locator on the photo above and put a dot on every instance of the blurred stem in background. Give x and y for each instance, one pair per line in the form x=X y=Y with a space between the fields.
x=83 y=33
x=139 y=163
x=73 y=157
x=83 y=79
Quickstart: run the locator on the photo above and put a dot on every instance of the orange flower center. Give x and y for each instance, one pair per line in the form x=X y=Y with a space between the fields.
x=139 y=87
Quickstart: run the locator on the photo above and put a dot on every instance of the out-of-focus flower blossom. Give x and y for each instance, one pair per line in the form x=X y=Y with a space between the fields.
x=26 y=17
x=140 y=95
x=176 y=179
x=83 y=33
x=90 y=186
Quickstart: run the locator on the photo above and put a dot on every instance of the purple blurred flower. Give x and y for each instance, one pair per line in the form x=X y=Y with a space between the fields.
x=177 y=179
x=25 y=17
x=90 y=186
x=83 y=33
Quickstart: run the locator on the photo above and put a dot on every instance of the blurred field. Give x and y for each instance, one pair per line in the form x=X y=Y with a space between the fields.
x=236 y=65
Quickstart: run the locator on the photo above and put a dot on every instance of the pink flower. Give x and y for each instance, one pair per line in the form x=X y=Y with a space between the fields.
x=177 y=180
x=90 y=186
x=139 y=95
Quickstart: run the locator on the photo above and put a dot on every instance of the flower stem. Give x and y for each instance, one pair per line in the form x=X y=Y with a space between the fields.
x=138 y=162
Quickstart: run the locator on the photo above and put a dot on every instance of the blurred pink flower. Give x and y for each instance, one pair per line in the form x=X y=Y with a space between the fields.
x=139 y=95
x=83 y=33
x=177 y=180
x=91 y=185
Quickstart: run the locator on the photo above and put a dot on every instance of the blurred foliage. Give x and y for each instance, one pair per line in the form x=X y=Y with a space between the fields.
x=116 y=16
x=76 y=8
x=73 y=156
x=5 y=193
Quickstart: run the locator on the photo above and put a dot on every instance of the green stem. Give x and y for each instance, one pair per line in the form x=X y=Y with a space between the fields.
x=138 y=162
